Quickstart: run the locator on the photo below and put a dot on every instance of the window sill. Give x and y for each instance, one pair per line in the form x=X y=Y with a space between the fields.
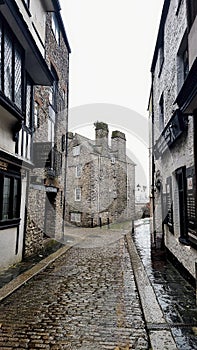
x=5 y=224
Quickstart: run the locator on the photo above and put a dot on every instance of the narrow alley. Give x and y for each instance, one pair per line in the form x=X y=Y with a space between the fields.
x=86 y=299
x=107 y=290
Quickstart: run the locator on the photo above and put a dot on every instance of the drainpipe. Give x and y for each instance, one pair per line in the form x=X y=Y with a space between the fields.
x=99 y=170
x=66 y=153
x=153 y=163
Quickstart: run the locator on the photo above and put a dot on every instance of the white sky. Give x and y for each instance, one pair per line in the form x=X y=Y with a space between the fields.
x=112 y=44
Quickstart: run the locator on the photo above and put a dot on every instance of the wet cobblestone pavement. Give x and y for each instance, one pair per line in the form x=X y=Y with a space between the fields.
x=175 y=295
x=86 y=299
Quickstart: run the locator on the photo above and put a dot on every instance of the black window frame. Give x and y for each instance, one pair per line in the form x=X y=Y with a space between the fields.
x=16 y=47
x=29 y=126
x=12 y=220
x=161 y=113
x=191 y=12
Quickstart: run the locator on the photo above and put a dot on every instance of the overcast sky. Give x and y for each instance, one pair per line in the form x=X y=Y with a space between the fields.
x=112 y=44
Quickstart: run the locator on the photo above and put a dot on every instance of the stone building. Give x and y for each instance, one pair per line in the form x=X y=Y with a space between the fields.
x=173 y=132
x=101 y=179
x=23 y=65
x=46 y=202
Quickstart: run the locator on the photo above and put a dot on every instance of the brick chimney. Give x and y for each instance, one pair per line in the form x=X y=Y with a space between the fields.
x=101 y=134
x=118 y=144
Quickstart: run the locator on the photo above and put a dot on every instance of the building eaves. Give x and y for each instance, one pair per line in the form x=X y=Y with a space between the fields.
x=57 y=8
x=160 y=35
x=61 y=23
x=54 y=6
x=35 y=62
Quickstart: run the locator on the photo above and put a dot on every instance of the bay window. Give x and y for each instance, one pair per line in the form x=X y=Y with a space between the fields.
x=11 y=65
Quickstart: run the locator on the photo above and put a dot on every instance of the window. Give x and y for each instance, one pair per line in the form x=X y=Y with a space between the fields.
x=161 y=113
x=29 y=104
x=51 y=131
x=161 y=58
x=192 y=11
x=10 y=198
x=185 y=63
x=36 y=115
x=53 y=95
x=18 y=79
x=76 y=150
x=182 y=62
x=78 y=170
x=113 y=160
x=27 y=3
x=8 y=66
x=55 y=28
x=78 y=194
x=75 y=217
x=11 y=55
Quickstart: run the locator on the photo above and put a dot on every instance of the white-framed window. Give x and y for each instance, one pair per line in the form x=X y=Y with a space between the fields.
x=36 y=115
x=51 y=131
x=55 y=27
x=76 y=151
x=113 y=160
x=78 y=170
x=78 y=194
x=75 y=217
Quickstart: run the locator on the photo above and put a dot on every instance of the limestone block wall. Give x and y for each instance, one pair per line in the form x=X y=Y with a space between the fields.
x=168 y=81
x=106 y=182
x=46 y=206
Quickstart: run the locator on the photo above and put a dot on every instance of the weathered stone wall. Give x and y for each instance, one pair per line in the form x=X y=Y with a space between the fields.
x=107 y=184
x=168 y=82
x=46 y=209
x=34 y=238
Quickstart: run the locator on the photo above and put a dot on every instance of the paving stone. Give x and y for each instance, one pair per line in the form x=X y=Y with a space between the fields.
x=85 y=299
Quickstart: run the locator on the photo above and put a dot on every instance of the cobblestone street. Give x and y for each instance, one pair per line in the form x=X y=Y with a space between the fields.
x=86 y=299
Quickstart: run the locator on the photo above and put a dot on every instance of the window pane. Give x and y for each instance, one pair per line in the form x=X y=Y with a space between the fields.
x=78 y=170
x=76 y=150
x=8 y=67
x=16 y=198
x=55 y=28
x=6 y=198
x=77 y=194
x=36 y=114
x=28 y=105
x=18 y=79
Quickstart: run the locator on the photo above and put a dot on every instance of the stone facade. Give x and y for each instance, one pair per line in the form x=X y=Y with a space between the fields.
x=101 y=179
x=46 y=204
x=173 y=138
x=22 y=35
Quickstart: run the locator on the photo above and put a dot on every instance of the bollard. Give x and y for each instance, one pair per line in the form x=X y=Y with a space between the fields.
x=100 y=222
x=92 y=222
x=108 y=222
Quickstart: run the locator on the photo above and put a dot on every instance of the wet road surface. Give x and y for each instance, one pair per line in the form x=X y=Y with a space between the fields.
x=86 y=299
x=175 y=295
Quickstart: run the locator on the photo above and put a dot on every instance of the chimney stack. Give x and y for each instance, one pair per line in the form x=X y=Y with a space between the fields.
x=101 y=134
x=118 y=144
